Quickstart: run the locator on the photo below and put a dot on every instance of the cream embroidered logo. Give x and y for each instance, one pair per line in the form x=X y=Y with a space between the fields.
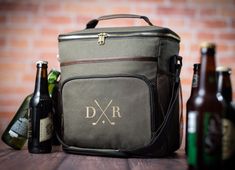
x=106 y=113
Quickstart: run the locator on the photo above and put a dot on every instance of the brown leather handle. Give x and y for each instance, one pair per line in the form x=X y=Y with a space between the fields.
x=94 y=22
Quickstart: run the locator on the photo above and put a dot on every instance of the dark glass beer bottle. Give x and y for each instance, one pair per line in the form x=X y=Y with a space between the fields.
x=194 y=91
x=225 y=89
x=52 y=88
x=204 y=125
x=40 y=113
x=15 y=135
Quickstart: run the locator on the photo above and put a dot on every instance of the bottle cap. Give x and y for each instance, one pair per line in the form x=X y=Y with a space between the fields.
x=40 y=63
x=208 y=45
x=223 y=69
x=208 y=48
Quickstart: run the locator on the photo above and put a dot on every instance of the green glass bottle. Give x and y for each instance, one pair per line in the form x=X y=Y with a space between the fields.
x=16 y=132
x=189 y=104
x=15 y=135
x=52 y=81
x=52 y=89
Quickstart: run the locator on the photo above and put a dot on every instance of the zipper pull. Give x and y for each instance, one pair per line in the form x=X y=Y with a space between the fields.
x=101 y=38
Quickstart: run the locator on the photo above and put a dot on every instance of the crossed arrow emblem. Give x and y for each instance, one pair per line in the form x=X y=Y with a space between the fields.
x=91 y=113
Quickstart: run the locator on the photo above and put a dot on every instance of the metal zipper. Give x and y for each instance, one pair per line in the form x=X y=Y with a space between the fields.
x=103 y=35
x=101 y=38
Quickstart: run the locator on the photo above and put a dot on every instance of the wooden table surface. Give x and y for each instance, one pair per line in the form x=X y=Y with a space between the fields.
x=11 y=159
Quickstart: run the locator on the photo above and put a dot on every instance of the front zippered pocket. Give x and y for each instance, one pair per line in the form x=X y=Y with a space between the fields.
x=111 y=112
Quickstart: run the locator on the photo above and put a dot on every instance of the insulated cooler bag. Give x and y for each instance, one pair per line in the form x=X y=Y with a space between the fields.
x=120 y=90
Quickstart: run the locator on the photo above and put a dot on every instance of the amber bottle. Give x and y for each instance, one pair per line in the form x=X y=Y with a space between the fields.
x=204 y=125
x=225 y=89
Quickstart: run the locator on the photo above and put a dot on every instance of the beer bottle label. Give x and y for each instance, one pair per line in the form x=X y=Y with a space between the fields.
x=19 y=128
x=45 y=129
x=212 y=138
x=192 y=138
x=228 y=138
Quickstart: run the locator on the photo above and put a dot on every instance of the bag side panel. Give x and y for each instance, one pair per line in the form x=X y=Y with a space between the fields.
x=165 y=83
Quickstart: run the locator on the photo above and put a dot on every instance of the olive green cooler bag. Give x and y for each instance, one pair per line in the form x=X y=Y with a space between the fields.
x=120 y=90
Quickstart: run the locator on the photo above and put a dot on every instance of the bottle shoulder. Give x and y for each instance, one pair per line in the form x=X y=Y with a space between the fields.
x=41 y=99
x=206 y=102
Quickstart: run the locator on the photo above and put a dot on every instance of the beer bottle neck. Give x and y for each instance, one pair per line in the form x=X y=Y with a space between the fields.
x=52 y=79
x=196 y=77
x=195 y=83
x=207 y=74
x=224 y=86
x=41 y=84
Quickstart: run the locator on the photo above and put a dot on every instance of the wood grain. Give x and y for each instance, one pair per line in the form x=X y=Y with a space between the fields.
x=11 y=159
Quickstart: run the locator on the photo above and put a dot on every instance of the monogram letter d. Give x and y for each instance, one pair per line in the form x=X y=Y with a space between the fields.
x=90 y=112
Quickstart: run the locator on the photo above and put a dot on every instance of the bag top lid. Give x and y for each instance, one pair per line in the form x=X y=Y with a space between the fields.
x=90 y=27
